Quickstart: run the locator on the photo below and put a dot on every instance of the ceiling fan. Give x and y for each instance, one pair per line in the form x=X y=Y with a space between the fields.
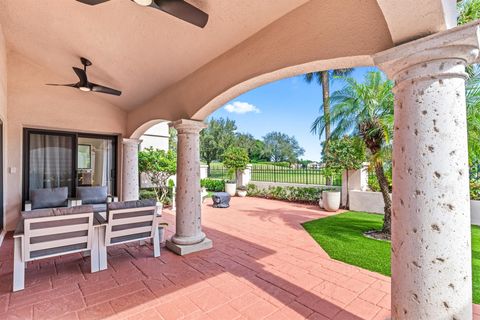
x=177 y=8
x=84 y=84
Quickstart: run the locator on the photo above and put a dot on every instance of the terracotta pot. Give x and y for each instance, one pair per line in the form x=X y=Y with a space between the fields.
x=231 y=188
x=331 y=200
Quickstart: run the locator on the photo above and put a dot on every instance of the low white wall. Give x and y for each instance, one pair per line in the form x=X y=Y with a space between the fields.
x=369 y=201
x=475 y=212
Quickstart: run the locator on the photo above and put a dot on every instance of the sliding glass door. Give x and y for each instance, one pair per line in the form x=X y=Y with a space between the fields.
x=62 y=159
x=96 y=162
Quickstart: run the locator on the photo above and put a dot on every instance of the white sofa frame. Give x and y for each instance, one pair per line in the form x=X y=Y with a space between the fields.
x=55 y=237
x=120 y=224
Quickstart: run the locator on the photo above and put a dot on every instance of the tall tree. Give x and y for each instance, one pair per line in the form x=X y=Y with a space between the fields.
x=172 y=139
x=323 y=78
x=216 y=138
x=365 y=109
x=468 y=11
x=282 y=147
x=254 y=147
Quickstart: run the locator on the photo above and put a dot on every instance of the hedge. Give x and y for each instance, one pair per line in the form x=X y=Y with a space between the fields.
x=214 y=185
x=293 y=194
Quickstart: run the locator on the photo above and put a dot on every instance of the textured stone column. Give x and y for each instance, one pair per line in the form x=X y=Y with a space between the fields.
x=130 y=182
x=188 y=236
x=431 y=249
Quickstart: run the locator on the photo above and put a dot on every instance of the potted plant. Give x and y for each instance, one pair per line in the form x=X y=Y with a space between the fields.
x=242 y=191
x=344 y=154
x=330 y=200
x=235 y=159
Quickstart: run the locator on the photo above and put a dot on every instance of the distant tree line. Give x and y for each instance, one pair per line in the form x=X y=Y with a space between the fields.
x=221 y=133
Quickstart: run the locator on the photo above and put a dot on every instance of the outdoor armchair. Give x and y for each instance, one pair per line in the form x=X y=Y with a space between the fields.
x=130 y=221
x=46 y=233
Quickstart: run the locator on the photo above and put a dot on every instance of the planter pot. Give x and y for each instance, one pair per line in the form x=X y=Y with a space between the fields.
x=331 y=200
x=231 y=188
x=242 y=193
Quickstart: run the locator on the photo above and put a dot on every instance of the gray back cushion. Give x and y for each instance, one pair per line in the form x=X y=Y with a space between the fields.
x=49 y=198
x=92 y=195
x=131 y=204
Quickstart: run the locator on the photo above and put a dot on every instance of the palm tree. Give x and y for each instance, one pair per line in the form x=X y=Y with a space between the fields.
x=365 y=109
x=323 y=79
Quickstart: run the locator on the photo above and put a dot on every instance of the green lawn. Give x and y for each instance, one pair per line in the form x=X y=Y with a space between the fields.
x=341 y=236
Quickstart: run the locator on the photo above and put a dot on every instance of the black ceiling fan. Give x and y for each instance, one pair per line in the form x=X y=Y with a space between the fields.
x=177 y=8
x=84 y=84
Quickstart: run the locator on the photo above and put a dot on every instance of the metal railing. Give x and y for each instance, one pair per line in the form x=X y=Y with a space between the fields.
x=282 y=174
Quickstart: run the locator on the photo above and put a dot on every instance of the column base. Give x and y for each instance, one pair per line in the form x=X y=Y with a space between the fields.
x=189 y=248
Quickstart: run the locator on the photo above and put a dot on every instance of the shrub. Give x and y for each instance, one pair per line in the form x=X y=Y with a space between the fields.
x=158 y=166
x=235 y=159
x=147 y=194
x=292 y=194
x=474 y=190
x=213 y=185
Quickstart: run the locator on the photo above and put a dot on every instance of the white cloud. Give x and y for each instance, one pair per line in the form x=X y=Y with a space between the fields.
x=241 y=107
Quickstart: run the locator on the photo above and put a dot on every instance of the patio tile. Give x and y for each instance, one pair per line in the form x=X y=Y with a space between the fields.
x=259 y=310
x=131 y=300
x=263 y=266
x=293 y=311
x=372 y=295
x=99 y=311
x=224 y=312
x=113 y=293
x=362 y=309
x=58 y=307
x=208 y=298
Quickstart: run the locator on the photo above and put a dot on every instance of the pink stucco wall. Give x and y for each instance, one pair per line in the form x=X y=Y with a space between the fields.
x=33 y=104
x=3 y=83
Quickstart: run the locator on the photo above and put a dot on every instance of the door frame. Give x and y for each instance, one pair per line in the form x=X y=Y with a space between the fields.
x=75 y=136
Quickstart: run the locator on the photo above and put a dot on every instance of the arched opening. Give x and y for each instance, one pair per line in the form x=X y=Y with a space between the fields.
x=256 y=81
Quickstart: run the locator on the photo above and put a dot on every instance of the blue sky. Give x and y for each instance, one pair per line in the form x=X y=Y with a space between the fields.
x=289 y=105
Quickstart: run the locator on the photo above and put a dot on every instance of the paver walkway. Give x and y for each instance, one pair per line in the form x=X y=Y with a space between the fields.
x=263 y=266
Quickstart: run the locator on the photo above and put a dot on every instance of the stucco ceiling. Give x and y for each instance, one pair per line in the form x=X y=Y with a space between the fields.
x=138 y=50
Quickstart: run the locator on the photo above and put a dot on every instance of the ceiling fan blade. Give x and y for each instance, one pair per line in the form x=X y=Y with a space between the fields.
x=82 y=75
x=182 y=10
x=102 y=89
x=92 y=2
x=73 y=85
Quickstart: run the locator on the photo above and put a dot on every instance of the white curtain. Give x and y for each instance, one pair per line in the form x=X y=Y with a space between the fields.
x=50 y=161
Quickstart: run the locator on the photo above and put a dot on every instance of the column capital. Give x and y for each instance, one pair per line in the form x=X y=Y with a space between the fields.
x=189 y=126
x=459 y=46
x=131 y=141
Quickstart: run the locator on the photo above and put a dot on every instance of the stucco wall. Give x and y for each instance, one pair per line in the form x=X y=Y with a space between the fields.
x=367 y=201
x=3 y=91
x=33 y=104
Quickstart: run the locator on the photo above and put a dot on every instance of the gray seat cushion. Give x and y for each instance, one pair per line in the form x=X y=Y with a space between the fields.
x=92 y=195
x=49 y=198
x=102 y=207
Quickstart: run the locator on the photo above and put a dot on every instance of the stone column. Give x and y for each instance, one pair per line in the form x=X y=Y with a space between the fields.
x=130 y=182
x=188 y=236
x=431 y=249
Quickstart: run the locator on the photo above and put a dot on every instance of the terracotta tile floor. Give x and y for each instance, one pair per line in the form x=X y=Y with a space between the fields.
x=263 y=266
